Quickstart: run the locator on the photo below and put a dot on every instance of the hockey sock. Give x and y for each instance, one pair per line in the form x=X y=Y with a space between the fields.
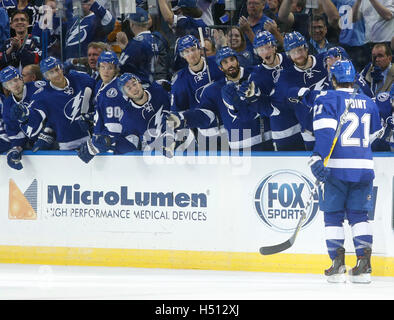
x=335 y=234
x=361 y=231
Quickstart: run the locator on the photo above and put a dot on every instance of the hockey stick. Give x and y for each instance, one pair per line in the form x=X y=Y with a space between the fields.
x=205 y=52
x=288 y=243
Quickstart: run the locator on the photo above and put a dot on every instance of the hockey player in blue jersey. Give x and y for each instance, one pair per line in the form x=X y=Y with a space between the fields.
x=58 y=104
x=222 y=105
x=94 y=25
x=189 y=82
x=107 y=97
x=288 y=129
x=141 y=53
x=142 y=112
x=385 y=103
x=266 y=74
x=5 y=143
x=20 y=94
x=347 y=172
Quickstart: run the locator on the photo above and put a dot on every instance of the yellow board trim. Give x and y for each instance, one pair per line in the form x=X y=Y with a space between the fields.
x=181 y=259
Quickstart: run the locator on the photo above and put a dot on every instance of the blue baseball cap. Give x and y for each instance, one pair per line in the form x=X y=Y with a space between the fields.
x=185 y=4
x=140 y=15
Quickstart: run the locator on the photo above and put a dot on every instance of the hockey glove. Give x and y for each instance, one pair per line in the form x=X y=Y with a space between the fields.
x=175 y=120
x=19 y=113
x=389 y=128
x=14 y=157
x=86 y=122
x=376 y=74
x=94 y=146
x=296 y=94
x=247 y=91
x=45 y=141
x=230 y=97
x=318 y=169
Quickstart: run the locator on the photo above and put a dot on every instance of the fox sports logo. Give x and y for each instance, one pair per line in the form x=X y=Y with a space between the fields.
x=282 y=196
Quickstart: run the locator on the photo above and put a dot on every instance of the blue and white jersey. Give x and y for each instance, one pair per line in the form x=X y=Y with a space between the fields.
x=286 y=127
x=265 y=78
x=242 y=124
x=109 y=103
x=140 y=55
x=351 y=159
x=5 y=143
x=352 y=33
x=12 y=127
x=185 y=25
x=59 y=108
x=142 y=124
x=187 y=85
x=386 y=110
x=80 y=32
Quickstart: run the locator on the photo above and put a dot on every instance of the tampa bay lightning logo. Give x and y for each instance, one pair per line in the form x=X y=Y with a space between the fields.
x=282 y=196
x=155 y=123
x=72 y=109
x=76 y=35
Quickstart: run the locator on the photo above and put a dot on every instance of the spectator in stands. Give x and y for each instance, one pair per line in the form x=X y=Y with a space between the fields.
x=31 y=72
x=378 y=20
x=294 y=13
x=184 y=18
x=255 y=21
x=4 y=26
x=94 y=25
x=318 y=42
x=352 y=35
x=235 y=39
x=22 y=49
x=379 y=73
x=25 y=6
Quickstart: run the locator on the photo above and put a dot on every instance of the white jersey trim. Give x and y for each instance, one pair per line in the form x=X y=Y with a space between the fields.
x=350 y=164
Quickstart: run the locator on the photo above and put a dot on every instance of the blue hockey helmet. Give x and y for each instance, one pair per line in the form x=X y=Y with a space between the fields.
x=223 y=53
x=293 y=40
x=122 y=80
x=187 y=42
x=343 y=71
x=262 y=38
x=9 y=73
x=49 y=63
x=336 y=52
x=109 y=57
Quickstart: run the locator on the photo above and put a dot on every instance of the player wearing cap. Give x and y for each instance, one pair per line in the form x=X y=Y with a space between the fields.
x=58 y=104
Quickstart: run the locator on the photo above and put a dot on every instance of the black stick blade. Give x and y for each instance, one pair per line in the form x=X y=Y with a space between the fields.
x=276 y=248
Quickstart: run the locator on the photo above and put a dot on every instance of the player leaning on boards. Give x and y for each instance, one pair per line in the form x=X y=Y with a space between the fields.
x=348 y=174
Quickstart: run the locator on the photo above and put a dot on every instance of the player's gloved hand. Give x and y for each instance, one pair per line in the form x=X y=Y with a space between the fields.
x=86 y=122
x=376 y=74
x=296 y=94
x=19 y=113
x=230 y=96
x=95 y=145
x=389 y=128
x=45 y=141
x=175 y=120
x=318 y=169
x=248 y=91
x=14 y=157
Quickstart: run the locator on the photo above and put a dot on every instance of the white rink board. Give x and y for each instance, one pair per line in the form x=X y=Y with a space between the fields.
x=223 y=217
